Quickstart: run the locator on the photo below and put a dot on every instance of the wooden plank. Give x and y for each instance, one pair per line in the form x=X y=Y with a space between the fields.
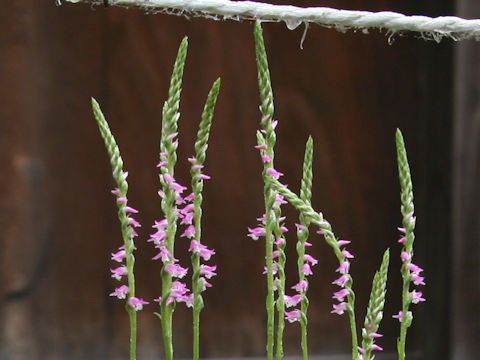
x=466 y=217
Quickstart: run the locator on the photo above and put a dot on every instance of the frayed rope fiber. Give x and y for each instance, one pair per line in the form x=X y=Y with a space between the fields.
x=432 y=28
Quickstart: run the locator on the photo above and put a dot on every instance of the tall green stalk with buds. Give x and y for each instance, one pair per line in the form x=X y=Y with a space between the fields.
x=267 y=110
x=201 y=146
x=126 y=252
x=302 y=235
x=168 y=155
x=375 y=310
x=342 y=255
x=410 y=272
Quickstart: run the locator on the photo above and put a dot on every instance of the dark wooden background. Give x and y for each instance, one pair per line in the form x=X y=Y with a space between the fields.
x=349 y=91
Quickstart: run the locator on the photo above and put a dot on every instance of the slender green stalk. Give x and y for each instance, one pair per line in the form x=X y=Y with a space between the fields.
x=408 y=221
x=375 y=308
x=201 y=146
x=317 y=219
x=120 y=178
x=267 y=109
x=302 y=235
x=168 y=147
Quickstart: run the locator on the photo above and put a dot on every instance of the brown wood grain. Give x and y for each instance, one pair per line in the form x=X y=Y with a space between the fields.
x=349 y=91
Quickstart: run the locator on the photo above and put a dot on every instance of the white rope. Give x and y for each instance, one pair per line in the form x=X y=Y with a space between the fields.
x=434 y=28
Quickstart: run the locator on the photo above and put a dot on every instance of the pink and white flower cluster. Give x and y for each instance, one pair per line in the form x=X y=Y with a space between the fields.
x=343 y=279
x=122 y=291
x=185 y=213
x=413 y=269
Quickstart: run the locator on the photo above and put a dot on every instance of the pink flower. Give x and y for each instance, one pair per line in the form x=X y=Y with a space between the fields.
x=137 y=303
x=161 y=225
x=188 y=219
x=417 y=279
x=189 y=232
x=347 y=254
x=417 y=297
x=164 y=254
x=341 y=281
x=120 y=292
x=361 y=350
x=133 y=222
x=405 y=256
x=176 y=270
x=402 y=230
x=115 y=192
x=204 y=283
x=414 y=268
x=261 y=147
x=201 y=250
x=402 y=240
x=178 y=289
x=292 y=316
x=398 y=316
x=118 y=272
x=187 y=209
x=344 y=268
x=129 y=209
x=122 y=200
x=307 y=270
x=162 y=163
x=208 y=271
x=375 y=335
x=376 y=347
x=266 y=158
x=279 y=241
x=339 y=308
x=177 y=187
x=340 y=295
x=301 y=286
x=168 y=178
x=310 y=259
x=119 y=256
x=300 y=227
x=189 y=197
x=255 y=233
x=274 y=173
x=343 y=242
x=291 y=301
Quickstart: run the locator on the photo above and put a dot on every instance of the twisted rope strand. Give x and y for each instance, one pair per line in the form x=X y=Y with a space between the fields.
x=435 y=28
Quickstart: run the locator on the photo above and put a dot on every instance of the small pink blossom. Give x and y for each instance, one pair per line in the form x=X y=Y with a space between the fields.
x=402 y=230
x=307 y=244
x=118 y=272
x=197 y=167
x=168 y=178
x=131 y=221
x=201 y=250
x=162 y=163
x=310 y=259
x=176 y=270
x=347 y=254
x=300 y=227
x=405 y=256
x=291 y=301
x=375 y=335
x=339 y=308
x=189 y=232
x=340 y=295
x=377 y=347
x=274 y=173
x=402 y=240
x=307 y=270
x=414 y=268
x=343 y=242
x=177 y=187
x=283 y=229
x=164 y=254
x=255 y=233
x=344 y=268
x=261 y=147
x=266 y=158
x=115 y=191
x=137 y=303
x=119 y=256
x=188 y=219
x=398 y=316
x=205 y=177
x=187 y=209
x=301 y=286
x=417 y=279
x=279 y=241
x=292 y=316
x=178 y=289
x=120 y=292
x=122 y=200
x=129 y=209
x=204 y=283
x=208 y=271
x=417 y=297
x=341 y=281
